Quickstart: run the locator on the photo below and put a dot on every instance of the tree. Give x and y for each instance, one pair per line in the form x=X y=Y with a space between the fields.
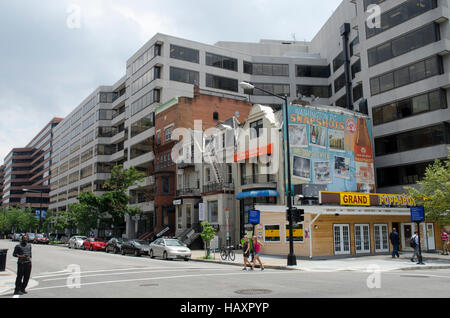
x=85 y=214
x=207 y=235
x=433 y=191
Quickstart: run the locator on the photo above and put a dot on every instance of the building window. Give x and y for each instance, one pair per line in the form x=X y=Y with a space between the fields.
x=404 y=12
x=416 y=139
x=339 y=83
x=184 y=76
x=297 y=232
x=401 y=175
x=256 y=129
x=266 y=69
x=220 y=61
x=140 y=149
x=313 y=71
x=406 y=75
x=142 y=125
x=403 y=44
x=271 y=233
x=338 y=61
x=168 y=133
x=277 y=89
x=165 y=185
x=213 y=212
x=356 y=68
x=318 y=91
x=342 y=102
x=224 y=83
x=184 y=53
x=357 y=92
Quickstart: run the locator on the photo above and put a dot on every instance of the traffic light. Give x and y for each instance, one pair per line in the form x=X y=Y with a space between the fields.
x=297 y=215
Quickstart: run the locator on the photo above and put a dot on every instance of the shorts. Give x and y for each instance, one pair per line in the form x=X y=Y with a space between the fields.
x=246 y=255
x=258 y=253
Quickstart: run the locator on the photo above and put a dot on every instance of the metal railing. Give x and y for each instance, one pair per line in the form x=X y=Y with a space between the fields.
x=188 y=191
x=258 y=178
x=217 y=187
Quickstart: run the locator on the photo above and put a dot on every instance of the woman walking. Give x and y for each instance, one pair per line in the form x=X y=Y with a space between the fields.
x=257 y=249
x=246 y=250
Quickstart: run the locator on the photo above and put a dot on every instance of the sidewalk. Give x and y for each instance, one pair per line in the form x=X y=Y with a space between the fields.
x=379 y=262
x=8 y=283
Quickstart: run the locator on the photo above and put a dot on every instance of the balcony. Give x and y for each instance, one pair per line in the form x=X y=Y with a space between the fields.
x=144 y=206
x=213 y=187
x=259 y=181
x=188 y=192
x=118 y=117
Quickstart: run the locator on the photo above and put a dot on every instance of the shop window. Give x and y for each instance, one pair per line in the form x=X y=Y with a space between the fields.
x=297 y=230
x=271 y=233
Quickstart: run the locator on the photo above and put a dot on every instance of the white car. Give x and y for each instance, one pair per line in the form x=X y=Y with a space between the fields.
x=76 y=241
x=169 y=249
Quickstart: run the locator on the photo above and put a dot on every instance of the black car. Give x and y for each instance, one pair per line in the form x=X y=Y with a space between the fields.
x=135 y=247
x=114 y=245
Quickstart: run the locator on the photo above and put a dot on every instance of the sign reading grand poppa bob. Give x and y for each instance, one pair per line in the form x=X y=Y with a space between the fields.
x=332 y=149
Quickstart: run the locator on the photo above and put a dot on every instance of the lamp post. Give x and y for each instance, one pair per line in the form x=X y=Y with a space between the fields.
x=291 y=260
x=40 y=206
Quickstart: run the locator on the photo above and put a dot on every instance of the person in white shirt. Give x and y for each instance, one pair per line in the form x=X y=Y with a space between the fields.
x=415 y=238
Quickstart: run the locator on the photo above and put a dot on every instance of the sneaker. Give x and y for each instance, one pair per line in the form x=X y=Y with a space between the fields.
x=23 y=291
x=18 y=293
x=262 y=268
x=244 y=269
x=252 y=269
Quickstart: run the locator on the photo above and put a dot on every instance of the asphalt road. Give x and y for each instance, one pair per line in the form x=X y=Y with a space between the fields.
x=107 y=275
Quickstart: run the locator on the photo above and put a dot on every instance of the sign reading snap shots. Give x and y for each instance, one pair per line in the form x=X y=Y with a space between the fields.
x=355 y=199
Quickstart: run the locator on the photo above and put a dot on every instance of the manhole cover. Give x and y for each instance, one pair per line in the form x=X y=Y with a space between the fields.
x=253 y=291
x=148 y=285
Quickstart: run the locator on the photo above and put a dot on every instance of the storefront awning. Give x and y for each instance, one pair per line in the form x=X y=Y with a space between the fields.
x=257 y=194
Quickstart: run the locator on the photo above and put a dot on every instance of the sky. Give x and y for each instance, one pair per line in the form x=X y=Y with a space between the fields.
x=54 y=53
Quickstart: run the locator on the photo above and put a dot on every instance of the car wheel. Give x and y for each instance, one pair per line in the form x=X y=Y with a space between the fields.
x=123 y=252
x=186 y=259
x=116 y=250
x=70 y=246
x=151 y=254
x=165 y=255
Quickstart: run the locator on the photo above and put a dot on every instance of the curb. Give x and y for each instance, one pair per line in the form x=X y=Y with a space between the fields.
x=279 y=267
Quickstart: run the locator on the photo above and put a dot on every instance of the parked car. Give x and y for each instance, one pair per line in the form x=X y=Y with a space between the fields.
x=41 y=239
x=114 y=245
x=17 y=236
x=94 y=244
x=76 y=241
x=31 y=237
x=136 y=247
x=169 y=249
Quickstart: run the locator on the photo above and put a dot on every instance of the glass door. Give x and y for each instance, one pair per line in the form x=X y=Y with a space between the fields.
x=341 y=239
x=362 y=238
x=407 y=233
x=381 y=238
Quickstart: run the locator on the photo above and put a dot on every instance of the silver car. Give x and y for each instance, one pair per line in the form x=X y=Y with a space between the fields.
x=76 y=241
x=169 y=249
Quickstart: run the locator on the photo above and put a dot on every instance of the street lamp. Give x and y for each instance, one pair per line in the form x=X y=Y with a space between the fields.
x=291 y=260
x=40 y=206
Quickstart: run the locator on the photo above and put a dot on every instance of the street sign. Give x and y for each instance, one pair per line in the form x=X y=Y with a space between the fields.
x=417 y=214
x=254 y=217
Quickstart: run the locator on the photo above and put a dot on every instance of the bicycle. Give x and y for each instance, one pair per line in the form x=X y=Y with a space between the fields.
x=227 y=253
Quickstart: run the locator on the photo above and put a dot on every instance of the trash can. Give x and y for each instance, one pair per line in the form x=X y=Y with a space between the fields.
x=3 y=254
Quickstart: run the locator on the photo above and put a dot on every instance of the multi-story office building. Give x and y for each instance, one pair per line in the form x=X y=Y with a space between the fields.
x=26 y=175
x=401 y=69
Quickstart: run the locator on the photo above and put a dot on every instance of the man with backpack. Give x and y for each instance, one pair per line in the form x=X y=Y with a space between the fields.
x=414 y=243
x=444 y=238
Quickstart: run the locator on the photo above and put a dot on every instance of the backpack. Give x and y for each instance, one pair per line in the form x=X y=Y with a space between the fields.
x=412 y=242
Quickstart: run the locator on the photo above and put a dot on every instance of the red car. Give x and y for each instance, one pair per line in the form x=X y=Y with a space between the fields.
x=94 y=244
x=41 y=239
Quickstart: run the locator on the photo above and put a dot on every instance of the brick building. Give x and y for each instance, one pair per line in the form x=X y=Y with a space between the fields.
x=181 y=112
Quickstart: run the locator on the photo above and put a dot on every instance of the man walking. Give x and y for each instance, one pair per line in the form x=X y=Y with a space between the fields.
x=444 y=238
x=23 y=252
x=395 y=241
x=415 y=244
